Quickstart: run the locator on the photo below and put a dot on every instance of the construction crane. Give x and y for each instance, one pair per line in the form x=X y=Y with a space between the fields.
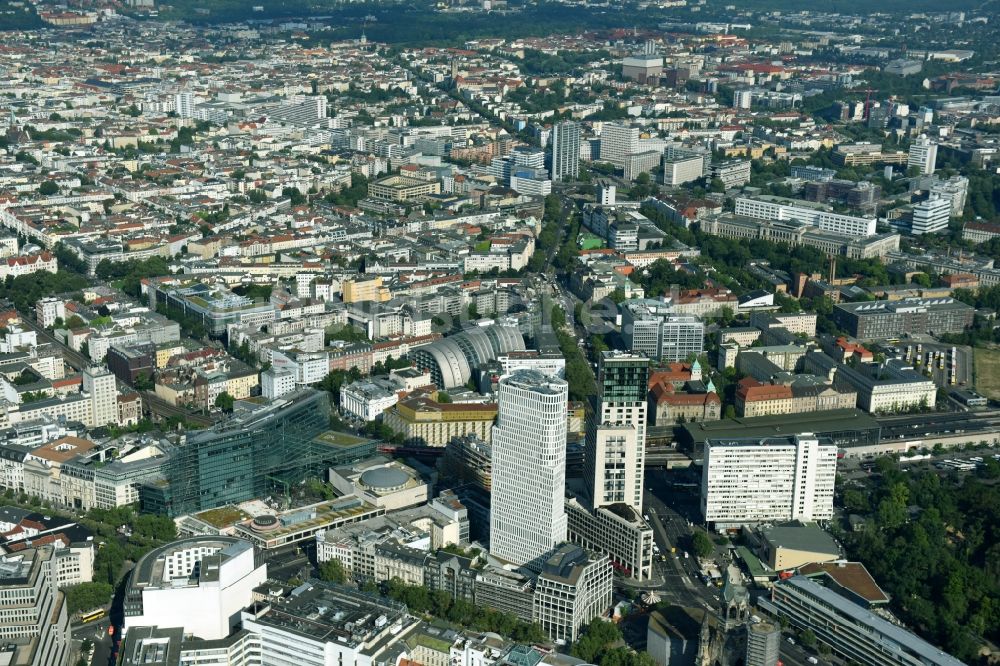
x=282 y=483
x=868 y=101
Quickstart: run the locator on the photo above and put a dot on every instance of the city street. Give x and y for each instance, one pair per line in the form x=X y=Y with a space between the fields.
x=671 y=530
x=96 y=633
x=671 y=501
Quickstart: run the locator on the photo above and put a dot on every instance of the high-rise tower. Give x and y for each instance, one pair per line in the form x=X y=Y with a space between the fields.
x=618 y=141
x=527 y=512
x=565 y=151
x=923 y=155
x=100 y=384
x=616 y=433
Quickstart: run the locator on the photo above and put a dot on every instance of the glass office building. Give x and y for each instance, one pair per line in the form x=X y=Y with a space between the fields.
x=255 y=455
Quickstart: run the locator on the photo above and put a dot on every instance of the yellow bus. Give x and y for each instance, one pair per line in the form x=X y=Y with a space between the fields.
x=90 y=616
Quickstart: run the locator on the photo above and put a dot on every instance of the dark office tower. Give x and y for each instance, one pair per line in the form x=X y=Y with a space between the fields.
x=616 y=433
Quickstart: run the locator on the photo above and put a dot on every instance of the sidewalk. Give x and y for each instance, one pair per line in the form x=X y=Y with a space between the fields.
x=655 y=582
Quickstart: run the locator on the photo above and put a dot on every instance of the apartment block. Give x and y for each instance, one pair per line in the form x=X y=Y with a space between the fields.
x=795 y=233
x=403 y=188
x=844 y=225
x=732 y=173
x=618 y=142
x=748 y=481
x=680 y=170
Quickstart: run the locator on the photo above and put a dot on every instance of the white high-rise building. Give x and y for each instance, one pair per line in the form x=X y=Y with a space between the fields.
x=607 y=194
x=527 y=157
x=748 y=481
x=103 y=390
x=923 y=155
x=565 y=150
x=618 y=142
x=680 y=170
x=303 y=110
x=527 y=509
x=48 y=310
x=930 y=216
x=276 y=382
x=184 y=104
x=742 y=99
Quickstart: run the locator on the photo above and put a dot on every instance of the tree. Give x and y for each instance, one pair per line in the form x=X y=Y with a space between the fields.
x=131 y=273
x=242 y=352
x=48 y=188
x=856 y=501
x=156 y=527
x=579 y=377
x=224 y=401
x=346 y=333
x=808 y=638
x=87 y=596
x=144 y=382
x=558 y=317
x=598 y=638
x=892 y=510
x=333 y=572
x=598 y=345
x=297 y=198
x=108 y=561
x=701 y=544
x=441 y=604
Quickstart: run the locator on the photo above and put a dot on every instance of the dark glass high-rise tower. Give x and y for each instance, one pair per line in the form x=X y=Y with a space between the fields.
x=616 y=433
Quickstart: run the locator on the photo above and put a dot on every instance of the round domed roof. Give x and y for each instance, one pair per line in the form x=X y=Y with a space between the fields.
x=385 y=478
x=264 y=523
